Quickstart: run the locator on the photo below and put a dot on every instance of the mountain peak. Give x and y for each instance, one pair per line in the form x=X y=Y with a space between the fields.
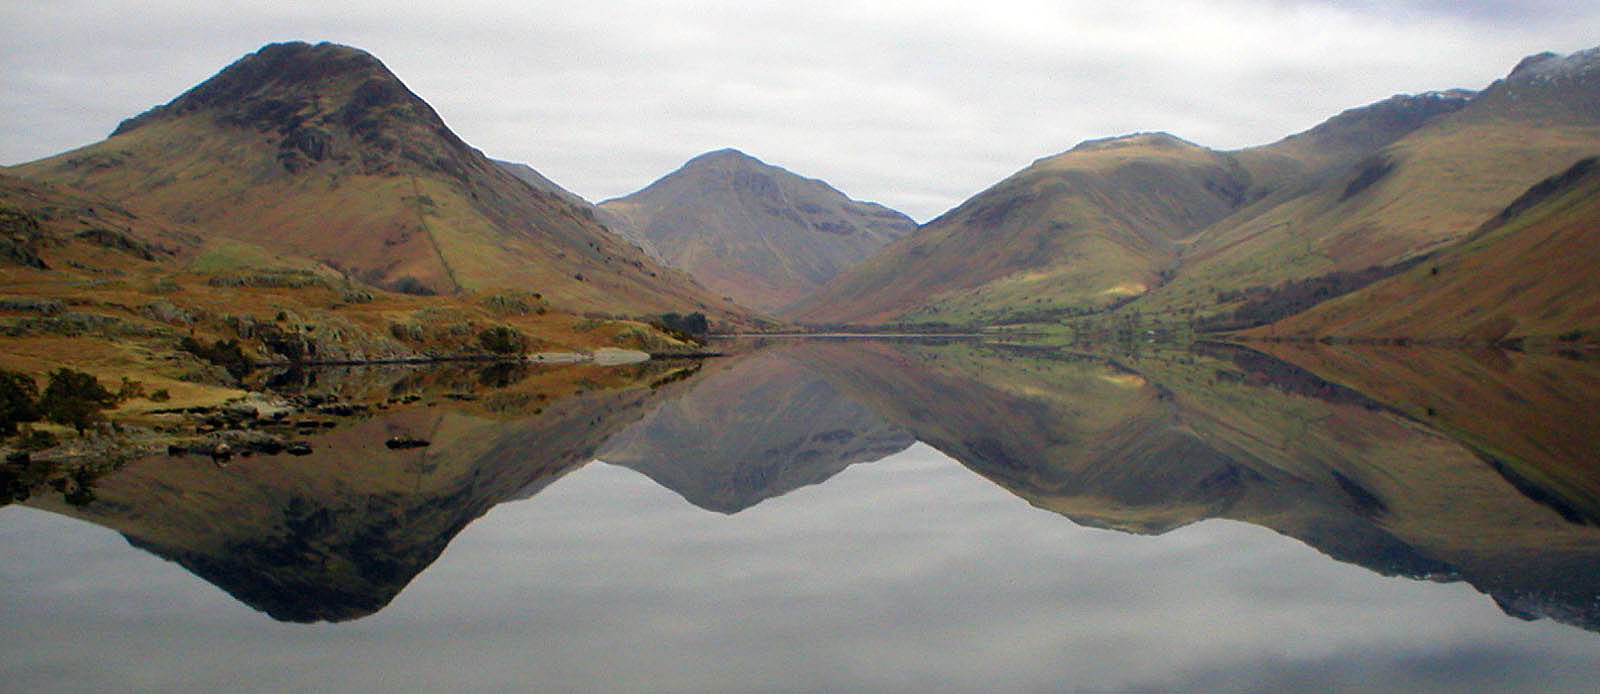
x=1547 y=65
x=277 y=85
x=1158 y=140
x=756 y=232
x=323 y=102
x=726 y=157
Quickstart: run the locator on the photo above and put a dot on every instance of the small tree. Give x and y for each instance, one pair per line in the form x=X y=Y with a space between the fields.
x=75 y=399
x=502 y=339
x=19 y=397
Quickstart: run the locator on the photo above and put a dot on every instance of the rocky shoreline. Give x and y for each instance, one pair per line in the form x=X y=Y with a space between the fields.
x=259 y=422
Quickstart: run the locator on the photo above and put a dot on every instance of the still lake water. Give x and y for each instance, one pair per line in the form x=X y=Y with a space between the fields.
x=856 y=516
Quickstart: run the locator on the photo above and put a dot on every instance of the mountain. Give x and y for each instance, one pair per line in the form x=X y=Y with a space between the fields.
x=95 y=286
x=320 y=151
x=751 y=231
x=1417 y=195
x=1526 y=273
x=1169 y=228
x=1078 y=231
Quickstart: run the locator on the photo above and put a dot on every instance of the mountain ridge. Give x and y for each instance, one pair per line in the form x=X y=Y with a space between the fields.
x=1111 y=223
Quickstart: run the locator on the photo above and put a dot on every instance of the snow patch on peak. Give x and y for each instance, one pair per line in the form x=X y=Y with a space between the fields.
x=1550 y=66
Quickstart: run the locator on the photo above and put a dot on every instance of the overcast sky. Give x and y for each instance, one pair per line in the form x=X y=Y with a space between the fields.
x=917 y=105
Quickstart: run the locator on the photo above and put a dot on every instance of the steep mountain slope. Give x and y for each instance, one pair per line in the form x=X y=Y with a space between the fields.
x=1424 y=191
x=1527 y=273
x=532 y=177
x=751 y=231
x=1348 y=137
x=321 y=151
x=44 y=227
x=1077 y=231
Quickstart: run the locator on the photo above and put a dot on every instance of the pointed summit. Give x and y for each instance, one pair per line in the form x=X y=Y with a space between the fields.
x=725 y=157
x=752 y=231
x=1549 y=65
x=323 y=101
x=260 y=88
x=1554 y=88
x=1157 y=140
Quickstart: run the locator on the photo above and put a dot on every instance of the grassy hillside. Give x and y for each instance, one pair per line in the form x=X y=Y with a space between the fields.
x=1529 y=273
x=1163 y=228
x=1078 y=231
x=91 y=286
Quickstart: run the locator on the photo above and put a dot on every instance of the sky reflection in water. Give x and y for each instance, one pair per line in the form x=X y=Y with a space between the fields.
x=908 y=573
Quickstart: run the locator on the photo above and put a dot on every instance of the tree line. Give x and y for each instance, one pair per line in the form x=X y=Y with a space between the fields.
x=70 y=398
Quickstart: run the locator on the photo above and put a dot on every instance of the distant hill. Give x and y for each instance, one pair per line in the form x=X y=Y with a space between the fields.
x=320 y=151
x=752 y=231
x=1346 y=138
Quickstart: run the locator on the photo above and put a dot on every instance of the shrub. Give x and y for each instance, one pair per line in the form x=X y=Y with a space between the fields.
x=502 y=339
x=692 y=324
x=229 y=355
x=129 y=390
x=514 y=303
x=19 y=397
x=75 y=399
x=36 y=440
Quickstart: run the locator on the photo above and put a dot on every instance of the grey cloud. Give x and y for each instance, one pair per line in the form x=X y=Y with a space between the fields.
x=915 y=105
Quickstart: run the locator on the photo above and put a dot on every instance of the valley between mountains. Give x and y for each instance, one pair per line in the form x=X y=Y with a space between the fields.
x=304 y=206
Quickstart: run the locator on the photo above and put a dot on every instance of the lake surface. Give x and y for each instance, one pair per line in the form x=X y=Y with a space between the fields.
x=855 y=515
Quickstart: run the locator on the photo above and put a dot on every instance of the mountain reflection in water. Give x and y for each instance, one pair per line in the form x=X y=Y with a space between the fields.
x=1432 y=465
